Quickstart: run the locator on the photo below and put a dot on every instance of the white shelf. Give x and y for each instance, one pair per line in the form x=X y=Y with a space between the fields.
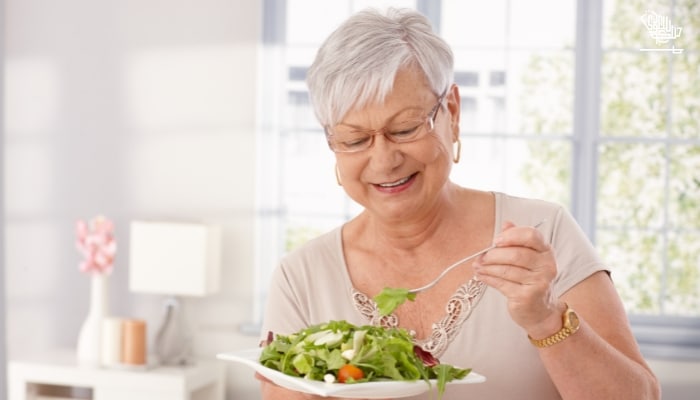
x=203 y=380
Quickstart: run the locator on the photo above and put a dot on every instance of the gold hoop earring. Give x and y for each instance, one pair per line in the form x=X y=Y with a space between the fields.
x=337 y=176
x=458 y=153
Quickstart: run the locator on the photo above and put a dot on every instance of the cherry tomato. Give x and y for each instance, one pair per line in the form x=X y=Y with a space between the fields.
x=347 y=372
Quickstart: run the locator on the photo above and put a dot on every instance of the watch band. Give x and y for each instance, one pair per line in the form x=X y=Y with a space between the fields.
x=571 y=325
x=551 y=340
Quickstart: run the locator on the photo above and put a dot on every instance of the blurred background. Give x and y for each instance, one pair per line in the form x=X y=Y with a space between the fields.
x=198 y=111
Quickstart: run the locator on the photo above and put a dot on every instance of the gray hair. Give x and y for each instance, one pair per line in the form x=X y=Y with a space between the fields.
x=357 y=63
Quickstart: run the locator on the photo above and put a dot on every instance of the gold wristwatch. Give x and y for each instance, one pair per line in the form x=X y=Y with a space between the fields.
x=571 y=325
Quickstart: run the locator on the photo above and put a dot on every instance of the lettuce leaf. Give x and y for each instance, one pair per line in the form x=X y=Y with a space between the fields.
x=390 y=298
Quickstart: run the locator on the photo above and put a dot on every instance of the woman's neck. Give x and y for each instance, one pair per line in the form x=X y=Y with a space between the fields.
x=434 y=224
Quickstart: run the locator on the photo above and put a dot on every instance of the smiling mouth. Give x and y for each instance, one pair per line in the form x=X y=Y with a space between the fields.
x=396 y=183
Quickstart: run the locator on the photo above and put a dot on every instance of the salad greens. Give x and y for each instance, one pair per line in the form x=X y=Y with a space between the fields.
x=390 y=298
x=319 y=352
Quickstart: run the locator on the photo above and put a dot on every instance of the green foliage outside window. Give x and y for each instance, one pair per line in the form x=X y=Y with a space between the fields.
x=648 y=200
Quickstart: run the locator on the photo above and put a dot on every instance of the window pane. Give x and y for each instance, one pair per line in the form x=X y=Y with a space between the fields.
x=547 y=170
x=381 y=4
x=542 y=91
x=684 y=188
x=531 y=168
x=471 y=24
x=326 y=16
x=297 y=111
x=516 y=92
x=685 y=114
x=308 y=175
x=687 y=17
x=682 y=296
x=622 y=24
x=634 y=94
x=531 y=26
x=467 y=78
x=631 y=185
x=635 y=259
x=638 y=260
x=483 y=102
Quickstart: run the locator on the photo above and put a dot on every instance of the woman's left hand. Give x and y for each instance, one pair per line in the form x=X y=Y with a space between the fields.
x=522 y=267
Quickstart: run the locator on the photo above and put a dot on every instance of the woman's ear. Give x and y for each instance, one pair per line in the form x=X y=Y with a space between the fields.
x=454 y=107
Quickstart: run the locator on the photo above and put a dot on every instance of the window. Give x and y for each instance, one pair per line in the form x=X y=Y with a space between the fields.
x=648 y=214
x=609 y=132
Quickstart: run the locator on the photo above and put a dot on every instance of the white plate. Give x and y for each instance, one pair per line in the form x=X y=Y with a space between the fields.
x=366 y=390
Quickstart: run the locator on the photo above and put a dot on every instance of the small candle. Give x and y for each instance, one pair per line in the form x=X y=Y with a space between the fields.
x=134 y=342
x=111 y=341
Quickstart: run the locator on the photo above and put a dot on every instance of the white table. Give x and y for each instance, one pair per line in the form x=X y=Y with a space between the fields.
x=28 y=378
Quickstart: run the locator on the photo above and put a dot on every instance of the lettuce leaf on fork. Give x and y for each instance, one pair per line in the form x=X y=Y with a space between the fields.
x=390 y=298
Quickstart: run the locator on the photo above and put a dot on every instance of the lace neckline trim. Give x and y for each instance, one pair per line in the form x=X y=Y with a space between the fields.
x=458 y=309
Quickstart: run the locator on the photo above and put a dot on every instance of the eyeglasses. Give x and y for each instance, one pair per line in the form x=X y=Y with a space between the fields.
x=344 y=139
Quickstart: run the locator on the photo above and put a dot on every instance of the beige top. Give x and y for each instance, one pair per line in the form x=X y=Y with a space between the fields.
x=312 y=286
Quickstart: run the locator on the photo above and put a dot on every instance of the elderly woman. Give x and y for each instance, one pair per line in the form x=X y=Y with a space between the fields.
x=382 y=89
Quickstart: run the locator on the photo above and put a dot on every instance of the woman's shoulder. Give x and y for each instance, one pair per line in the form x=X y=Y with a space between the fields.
x=320 y=249
x=526 y=202
x=524 y=210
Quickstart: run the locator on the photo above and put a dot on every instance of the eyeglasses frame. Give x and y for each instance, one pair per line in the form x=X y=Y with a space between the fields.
x=430 y=119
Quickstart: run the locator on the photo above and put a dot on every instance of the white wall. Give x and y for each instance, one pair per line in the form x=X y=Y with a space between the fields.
x=3 y=348
x=131 y=109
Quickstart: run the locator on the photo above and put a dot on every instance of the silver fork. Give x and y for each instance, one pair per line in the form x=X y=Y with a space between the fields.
x=453 y=266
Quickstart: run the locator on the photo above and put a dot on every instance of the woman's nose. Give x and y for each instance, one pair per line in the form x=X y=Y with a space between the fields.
x=384 y=154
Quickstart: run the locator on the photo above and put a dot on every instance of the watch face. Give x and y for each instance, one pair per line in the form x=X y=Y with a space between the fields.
x=572 y=319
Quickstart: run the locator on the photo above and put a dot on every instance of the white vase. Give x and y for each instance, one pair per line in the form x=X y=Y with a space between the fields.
x=90 y=337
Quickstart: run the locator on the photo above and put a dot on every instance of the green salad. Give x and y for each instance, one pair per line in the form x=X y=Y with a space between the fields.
x=338 y=351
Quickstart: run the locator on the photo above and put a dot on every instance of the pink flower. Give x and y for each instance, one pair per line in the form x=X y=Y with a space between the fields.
x=95 y=242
